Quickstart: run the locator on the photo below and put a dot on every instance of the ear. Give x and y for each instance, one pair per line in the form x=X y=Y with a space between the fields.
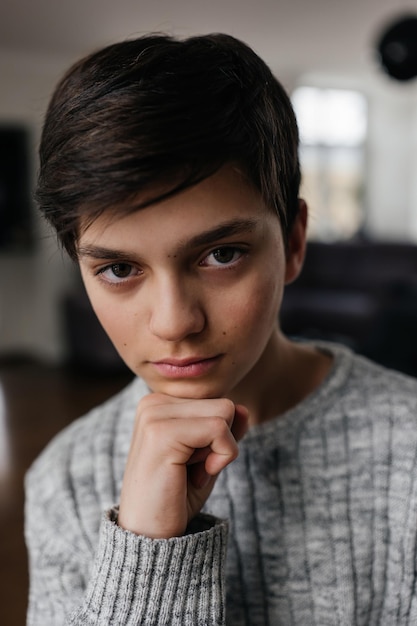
x=296 y=245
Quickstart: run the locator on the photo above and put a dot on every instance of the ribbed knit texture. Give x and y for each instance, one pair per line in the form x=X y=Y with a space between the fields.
x=155 y=574
x=321 y=506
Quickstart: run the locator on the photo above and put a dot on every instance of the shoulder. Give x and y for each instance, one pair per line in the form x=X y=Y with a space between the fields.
x=370 y=403
x=85 y=456
x=361 y=401
x=380 y=387
x=354 y=375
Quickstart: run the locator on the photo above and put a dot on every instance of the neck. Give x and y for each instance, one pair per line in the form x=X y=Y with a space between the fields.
x=286 y=373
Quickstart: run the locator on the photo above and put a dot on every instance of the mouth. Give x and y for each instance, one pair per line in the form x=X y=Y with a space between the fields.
x=186 y=368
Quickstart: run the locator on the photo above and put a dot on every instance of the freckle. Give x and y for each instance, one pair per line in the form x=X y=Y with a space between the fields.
x=125 y=344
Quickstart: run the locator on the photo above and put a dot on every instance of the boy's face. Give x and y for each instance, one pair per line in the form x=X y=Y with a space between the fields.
x=189 y=289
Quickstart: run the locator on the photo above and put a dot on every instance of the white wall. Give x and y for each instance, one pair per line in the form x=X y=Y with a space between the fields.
x=392 y=160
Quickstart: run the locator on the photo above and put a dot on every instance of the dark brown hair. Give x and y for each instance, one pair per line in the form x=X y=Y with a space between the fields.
x=161 y=111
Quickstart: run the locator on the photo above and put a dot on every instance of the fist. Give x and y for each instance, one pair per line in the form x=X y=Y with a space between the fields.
x=178 y=448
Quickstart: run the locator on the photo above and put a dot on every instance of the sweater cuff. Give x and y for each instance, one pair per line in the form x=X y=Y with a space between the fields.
x=158 y=581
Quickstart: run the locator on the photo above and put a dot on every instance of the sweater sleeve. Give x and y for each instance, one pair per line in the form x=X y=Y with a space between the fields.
x=130 y=580
x=86 y=570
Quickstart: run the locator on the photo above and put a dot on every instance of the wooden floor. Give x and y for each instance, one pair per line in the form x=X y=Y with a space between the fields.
x=35 y=403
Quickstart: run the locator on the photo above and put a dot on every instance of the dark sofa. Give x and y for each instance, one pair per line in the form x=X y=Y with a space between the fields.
x=361 y=293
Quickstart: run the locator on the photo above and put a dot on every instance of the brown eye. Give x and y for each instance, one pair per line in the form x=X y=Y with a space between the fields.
x=118 y=273
x=121 y=270
x=224 y=255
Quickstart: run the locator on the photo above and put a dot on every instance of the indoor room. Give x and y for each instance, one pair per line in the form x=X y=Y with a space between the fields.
x=352 y=80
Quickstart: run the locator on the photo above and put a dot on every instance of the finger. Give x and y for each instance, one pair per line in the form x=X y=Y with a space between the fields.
x=199 y=455
x=239 y=429
x=164 y=407
x=223 y=451
x=240 y=424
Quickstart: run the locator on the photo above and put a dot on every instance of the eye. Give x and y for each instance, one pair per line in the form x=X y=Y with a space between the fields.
x=117 y=272
x=225 y=255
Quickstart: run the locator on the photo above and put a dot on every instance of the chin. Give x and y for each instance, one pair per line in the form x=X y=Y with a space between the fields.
x=191 y=389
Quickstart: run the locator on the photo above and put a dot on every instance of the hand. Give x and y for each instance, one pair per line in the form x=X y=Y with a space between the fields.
x=178 y=448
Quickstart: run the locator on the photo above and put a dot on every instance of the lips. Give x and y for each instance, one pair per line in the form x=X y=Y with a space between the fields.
x=186 y=368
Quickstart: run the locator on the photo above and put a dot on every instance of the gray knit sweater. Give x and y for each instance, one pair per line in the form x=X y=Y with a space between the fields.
x=321 y=510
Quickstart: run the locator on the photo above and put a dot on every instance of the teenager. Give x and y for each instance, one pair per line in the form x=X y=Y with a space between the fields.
x=242 y=477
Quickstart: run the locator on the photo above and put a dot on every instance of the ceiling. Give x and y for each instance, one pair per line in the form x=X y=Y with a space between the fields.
x=291 y=35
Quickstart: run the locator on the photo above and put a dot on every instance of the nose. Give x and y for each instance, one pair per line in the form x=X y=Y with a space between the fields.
x=176 y=310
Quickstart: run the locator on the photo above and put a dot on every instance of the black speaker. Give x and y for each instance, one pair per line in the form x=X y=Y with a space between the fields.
x=397 y=48
x=16 y=226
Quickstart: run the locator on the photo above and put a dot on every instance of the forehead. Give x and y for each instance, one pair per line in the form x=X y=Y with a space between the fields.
x=224 y=200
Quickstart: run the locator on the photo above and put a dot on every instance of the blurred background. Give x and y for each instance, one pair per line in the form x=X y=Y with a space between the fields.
x=352 y=81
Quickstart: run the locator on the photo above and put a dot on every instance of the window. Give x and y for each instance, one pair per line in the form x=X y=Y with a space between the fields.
x=333 y=125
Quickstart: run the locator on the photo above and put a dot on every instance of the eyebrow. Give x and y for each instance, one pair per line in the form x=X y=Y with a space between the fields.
x=227 y=229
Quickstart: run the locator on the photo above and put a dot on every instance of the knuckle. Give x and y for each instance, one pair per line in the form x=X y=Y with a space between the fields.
x=150 y=407
x=144 y=415
x=219 y=426
x=226 y=408
x=229 y=405
x=234 y=453
x=152 y=432
x=152 y=399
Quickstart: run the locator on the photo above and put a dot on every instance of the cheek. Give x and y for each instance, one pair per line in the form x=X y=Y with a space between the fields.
x=253 y=311
x=113 y=323
x=114 y=320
